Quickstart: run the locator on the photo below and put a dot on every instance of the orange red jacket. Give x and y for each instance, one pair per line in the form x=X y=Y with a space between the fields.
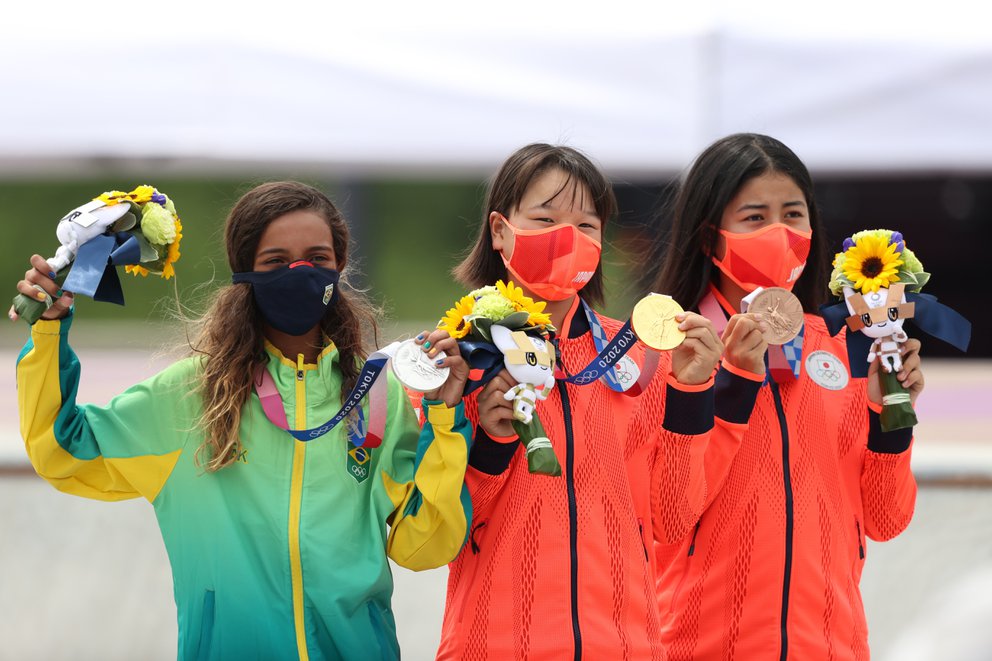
x=561 y=567
x=771 y=569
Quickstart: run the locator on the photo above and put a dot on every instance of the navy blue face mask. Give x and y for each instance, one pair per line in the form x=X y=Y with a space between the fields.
x=292 y=299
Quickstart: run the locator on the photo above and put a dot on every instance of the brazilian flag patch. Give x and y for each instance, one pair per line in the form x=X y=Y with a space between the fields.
x=359 y=462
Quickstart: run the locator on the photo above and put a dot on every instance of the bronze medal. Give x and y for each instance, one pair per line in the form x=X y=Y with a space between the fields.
x=781 y=310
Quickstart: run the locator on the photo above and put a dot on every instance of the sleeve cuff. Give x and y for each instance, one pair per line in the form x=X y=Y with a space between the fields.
x=671 y=380
x=489 y=455
x=741 y=372
x=688 y=409
x=736 y=392
x=886 y=442
x=52 y=326
x=440 y=415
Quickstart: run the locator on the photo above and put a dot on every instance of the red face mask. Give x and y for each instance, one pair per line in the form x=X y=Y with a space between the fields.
x=773 y=256
x=553 y=263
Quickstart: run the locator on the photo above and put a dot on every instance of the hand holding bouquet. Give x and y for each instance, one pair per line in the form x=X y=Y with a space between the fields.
x=139 y=230
x=502 y=320
x=873 y=274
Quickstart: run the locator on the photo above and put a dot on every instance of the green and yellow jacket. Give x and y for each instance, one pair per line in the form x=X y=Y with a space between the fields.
x=282 y=554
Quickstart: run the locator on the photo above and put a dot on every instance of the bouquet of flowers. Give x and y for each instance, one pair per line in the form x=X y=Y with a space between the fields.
x=158 y=230
x=139 y=230
x=872 y=274
x=506 y=322
x=872 y=259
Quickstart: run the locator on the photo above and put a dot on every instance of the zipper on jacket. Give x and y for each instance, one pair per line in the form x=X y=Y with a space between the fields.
x=469 y=580
x=692 y=543
x=861 y=547
x=295 y=507
x=685 y=572
x=787 y=480
x=471 y=538
x=573 y=516
x=644 y=545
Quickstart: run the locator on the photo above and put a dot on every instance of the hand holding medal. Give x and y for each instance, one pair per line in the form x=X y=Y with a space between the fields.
x=432 y=364
x=660 y=323
x=779 y=309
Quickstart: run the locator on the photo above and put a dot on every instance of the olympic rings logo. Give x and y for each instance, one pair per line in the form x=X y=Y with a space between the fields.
x=830 y=375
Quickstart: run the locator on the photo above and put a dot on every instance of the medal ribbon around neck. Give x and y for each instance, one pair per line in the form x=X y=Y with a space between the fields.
x=631 y=380
x=368 y=383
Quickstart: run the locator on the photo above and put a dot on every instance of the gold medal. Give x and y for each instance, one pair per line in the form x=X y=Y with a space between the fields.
x=653 y=321
x=781 y=310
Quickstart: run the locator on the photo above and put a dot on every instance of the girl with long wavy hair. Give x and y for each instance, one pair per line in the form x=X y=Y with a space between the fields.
x=278 y=546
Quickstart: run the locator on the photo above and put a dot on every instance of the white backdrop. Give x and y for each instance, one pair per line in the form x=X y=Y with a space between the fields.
x=453 y=87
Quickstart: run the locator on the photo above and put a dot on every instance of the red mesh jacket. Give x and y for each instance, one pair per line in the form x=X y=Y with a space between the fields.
x=771 y=569
x=559 y=567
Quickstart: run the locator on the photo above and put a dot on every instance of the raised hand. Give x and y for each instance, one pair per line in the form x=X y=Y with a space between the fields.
x=694 y=361
x=910 y=376
x=39 y=284
x=453 y=389
x=744 y=344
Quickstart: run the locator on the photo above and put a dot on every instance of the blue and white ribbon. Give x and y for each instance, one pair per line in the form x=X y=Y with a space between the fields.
x=617 y=370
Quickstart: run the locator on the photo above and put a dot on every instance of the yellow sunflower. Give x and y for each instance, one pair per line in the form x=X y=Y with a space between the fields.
x=110 y=198
x=142 y=194
x=454 y=322
x=136 y=269
x=872 y=263
x=523 y=303
x=173 y=255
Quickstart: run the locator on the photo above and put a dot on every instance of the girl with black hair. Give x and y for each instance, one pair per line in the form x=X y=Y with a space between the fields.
x=771 y=568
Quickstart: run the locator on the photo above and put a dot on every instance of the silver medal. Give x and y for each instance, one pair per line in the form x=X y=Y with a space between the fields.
x=415 y=370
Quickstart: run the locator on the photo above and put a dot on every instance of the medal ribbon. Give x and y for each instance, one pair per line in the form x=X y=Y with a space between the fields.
x=787 y=359
x=619 y=372
x=931 y=317
x=368 y=383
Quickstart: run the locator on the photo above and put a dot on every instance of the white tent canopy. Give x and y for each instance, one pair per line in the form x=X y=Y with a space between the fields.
x=300 y=89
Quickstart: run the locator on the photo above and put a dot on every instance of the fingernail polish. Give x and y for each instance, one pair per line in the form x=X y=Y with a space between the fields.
x=51 y=274
x=427 y=344
x=420 y=337
x=439 y=361
x=41 y=295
